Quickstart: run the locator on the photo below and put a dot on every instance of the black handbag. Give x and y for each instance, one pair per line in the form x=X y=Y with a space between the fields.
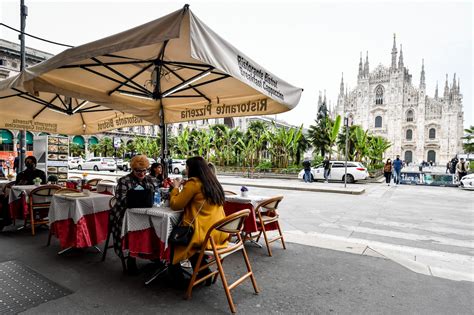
x=182 y=235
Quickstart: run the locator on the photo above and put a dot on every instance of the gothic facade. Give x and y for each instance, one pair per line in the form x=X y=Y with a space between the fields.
x=387 y=103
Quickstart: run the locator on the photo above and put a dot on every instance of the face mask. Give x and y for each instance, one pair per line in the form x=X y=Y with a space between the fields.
x=29 y=165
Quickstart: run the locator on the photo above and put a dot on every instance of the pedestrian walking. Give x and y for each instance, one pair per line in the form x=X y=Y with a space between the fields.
x=307 y=170
x=454 y=162
x=448 y=167
x=170 y=165
x=387 y=171
x=462 y=168
x=327 y=168
x=397 y=168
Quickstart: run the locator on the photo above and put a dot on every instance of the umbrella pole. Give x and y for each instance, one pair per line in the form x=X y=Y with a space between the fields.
x=22 y=149
x=164 y=143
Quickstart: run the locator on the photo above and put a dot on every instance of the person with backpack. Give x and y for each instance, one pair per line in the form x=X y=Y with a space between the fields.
x=462 y=168
x=387 y=171
x=307 y=171
x=397 y=168
x=327 y=168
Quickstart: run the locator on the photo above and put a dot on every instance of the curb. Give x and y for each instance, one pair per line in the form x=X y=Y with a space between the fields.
x=358 y=191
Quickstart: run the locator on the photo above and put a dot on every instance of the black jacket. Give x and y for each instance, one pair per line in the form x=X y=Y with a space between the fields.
x=27 y=176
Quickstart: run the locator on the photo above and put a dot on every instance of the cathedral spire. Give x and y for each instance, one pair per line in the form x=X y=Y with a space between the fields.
x=360 y=66
x=394 y=53
x=400 y=61
x=459 y=85
x=436 y=91
x=422 y=76
x=366 y=65
x=454 y=88
x=341 y=89
x=446 y=88
x=320 y=100
x=324 y=102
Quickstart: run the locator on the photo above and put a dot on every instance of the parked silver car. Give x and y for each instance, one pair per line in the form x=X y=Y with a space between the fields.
x=355 y=171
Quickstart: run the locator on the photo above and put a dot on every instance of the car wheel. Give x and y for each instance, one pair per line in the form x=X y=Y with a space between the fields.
x=312 y=178
x=79 y=168
x=176 y=170
x=350 y=178
x=96 y=168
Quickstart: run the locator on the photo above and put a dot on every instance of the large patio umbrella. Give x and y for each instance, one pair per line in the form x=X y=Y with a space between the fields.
x=169 y=70
x=55 y=113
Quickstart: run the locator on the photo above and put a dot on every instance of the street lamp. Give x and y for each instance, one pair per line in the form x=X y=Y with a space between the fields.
x=347 y=123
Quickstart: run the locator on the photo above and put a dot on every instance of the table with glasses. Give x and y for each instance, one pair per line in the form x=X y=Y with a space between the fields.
x=145 y=231
x=79 y=219
x=106 y=188
x=235 y=203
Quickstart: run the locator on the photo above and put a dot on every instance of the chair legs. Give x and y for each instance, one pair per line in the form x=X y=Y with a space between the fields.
x=49 y=237
x=106 y=247
x=220 y=271
x=32 y=221
x=267 y=241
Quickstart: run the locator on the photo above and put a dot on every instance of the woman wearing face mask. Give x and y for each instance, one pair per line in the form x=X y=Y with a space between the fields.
x=139 y=165
x=30 y=173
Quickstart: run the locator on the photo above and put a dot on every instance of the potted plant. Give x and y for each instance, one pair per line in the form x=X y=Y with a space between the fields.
x=53 y=179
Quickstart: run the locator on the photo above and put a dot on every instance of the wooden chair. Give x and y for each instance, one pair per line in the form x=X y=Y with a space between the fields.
x=93 y=183
x=266 y=212
x=232 y=224
x=112 y=204
x=40 y=199
x=229 y=192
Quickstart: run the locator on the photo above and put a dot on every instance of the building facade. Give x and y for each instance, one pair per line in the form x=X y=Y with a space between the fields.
x=386 y=102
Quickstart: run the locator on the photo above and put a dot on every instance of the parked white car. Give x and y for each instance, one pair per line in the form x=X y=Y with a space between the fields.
x=98 y=164
x=73 y=162
x=467 y=182
x=355 y=171
x=178 y=166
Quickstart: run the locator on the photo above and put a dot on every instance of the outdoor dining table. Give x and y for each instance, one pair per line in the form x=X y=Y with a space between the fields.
x=3 y=182
x=145 y=231
x=79 y=220
x=18 y=200
x=235 y=203
x=106 y=188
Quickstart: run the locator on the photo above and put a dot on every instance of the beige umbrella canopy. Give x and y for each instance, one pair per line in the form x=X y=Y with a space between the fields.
x=172 y=69
x=54 y=113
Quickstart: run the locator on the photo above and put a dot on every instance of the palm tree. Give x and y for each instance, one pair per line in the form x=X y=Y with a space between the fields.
x=76 y=149
x=360 y=143
x=468 y=136
x=106 y=146
x=341 y=142
x=376 y=148
x=319 y=134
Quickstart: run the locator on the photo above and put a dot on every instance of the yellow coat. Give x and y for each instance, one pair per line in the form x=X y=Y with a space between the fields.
x=190 y=199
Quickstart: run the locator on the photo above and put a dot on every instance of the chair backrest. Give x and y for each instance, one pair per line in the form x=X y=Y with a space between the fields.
x=93 y=182
x=228 y=192
x=66 y=190
x=75 y=178
x=232 y=224
x=7 y=187
x=269 y=204
x=43 y=194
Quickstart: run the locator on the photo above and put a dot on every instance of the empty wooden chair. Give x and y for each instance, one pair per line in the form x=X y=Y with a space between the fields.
x=92 y=183
x=266 y=213
x=232 y=224
x=38 y=203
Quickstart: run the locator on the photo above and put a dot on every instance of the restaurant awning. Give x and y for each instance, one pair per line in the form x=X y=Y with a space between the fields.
x=175 y=63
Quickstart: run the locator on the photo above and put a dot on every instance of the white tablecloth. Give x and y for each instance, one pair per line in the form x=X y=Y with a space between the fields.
x=161 y=219
x=15 y=192
x=3 y=182
x=65 y=207
x=109 y=187
x=252 y=199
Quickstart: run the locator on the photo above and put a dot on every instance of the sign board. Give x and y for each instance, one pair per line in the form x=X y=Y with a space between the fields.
x=411 y=178
x=439 y=179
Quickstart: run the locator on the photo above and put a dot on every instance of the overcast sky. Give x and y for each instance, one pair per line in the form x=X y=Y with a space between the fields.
x=307 y=43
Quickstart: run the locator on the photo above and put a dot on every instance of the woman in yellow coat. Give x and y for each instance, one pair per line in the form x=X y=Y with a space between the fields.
x=202 y=199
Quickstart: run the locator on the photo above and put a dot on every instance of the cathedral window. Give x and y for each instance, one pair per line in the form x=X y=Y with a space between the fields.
x=431 y=156
x=378 y=122
x=409 y=134
x=379 y=95
x=432 y=133
x=410 y=116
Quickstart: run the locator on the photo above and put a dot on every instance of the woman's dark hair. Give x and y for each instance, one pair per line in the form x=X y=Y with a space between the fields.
x=211 y=188
x=152 y=169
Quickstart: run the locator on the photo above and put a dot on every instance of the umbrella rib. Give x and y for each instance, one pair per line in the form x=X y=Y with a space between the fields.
x=117 y=73
x=8 y=96
x=116 y=63
x=116 y=81
x=130 y=79
x=46 y=106
x=224 y=76
x=190 y=86
x=92 y=107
